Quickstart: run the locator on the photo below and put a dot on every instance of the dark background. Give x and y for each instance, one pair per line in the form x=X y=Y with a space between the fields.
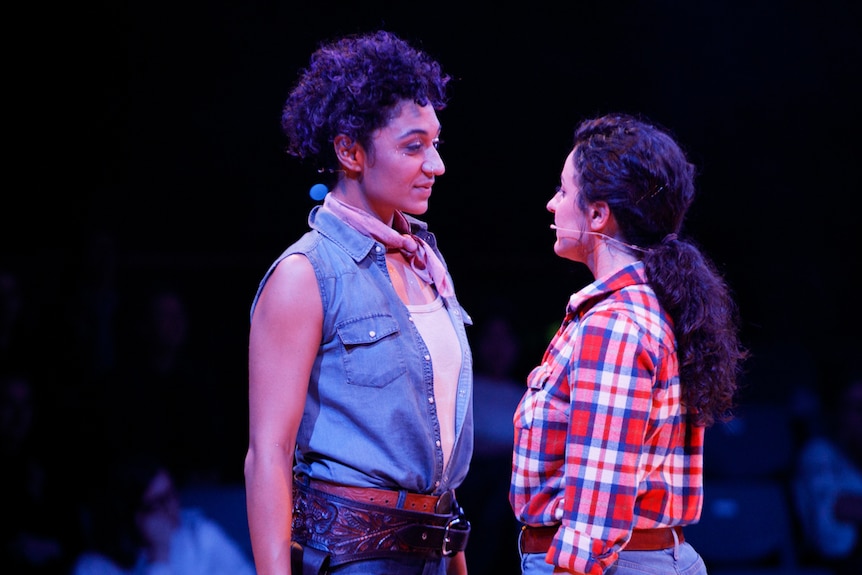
x=764 y=95
x=154 y=126
x=161 y=127
x=143 y=149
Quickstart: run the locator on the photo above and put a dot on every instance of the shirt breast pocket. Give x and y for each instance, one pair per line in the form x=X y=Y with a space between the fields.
x=372 y=350
x=532 y=399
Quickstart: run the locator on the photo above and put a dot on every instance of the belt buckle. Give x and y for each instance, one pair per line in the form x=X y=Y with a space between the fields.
x=444 y=503
x=458 y=522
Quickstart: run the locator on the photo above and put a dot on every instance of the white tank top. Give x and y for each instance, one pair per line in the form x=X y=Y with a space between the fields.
x=435 y=327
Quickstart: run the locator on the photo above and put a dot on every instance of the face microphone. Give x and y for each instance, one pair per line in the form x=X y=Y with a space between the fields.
x=554 y=227
x=607 y=237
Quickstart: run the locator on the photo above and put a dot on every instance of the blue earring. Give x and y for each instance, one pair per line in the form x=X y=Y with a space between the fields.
x=318 y=192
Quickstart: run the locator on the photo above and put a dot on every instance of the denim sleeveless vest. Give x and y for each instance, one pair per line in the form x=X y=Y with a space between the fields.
x=370 y=418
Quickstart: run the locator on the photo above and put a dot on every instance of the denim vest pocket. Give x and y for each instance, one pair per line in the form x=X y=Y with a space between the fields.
x=372 y=352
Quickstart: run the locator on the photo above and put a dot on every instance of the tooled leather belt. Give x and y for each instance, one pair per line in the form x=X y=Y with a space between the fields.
x=355 y=523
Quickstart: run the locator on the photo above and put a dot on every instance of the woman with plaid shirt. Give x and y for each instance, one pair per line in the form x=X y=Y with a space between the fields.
x=608 y=453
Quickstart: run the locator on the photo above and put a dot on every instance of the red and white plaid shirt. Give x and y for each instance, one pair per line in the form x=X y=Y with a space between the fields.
x=602 y=443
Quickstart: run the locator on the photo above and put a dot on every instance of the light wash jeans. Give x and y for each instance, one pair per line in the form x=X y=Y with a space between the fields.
x=679 y=560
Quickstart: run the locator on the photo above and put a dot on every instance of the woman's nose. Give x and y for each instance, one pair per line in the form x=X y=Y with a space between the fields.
x=433 y=163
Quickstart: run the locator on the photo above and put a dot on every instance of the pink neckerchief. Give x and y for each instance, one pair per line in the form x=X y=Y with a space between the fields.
x=422 y=258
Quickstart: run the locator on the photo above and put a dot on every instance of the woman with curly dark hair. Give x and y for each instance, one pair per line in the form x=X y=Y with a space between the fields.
x=360 y=374
x=608 y=454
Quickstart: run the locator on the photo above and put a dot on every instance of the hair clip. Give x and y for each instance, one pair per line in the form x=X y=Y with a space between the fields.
x=648 y=196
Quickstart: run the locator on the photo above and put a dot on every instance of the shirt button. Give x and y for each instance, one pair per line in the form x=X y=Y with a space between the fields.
x=372 y=333
x=377 y=249
x=437 y=443
x=427 y=357
x=431 y=400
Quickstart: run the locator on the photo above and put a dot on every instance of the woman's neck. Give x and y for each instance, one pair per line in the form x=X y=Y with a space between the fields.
x=607 y=260
x=348 y=192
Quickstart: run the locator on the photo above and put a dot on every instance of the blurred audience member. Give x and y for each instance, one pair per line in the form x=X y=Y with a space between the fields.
x=17 y=325
x=37 y=512
x=139 y=527
x=166 y=397
x=828 y=482
x=92 y=307
x=497 y=389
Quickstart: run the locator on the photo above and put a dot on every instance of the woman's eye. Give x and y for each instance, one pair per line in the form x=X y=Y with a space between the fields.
x=418 y=146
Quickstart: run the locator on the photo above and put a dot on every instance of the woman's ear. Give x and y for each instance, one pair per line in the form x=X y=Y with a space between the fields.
x=348 y=152
x=599 y=214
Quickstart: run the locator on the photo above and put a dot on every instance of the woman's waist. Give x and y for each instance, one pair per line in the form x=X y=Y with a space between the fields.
x=442 y=503
x=351 y=523
x=659 y=505
x=369 y=466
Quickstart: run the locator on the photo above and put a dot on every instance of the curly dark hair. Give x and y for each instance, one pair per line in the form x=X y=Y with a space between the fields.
x=644 y=176
x=351 y=86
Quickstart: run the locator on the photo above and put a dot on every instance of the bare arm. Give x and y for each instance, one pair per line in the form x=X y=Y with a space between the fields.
x=283 y=341
x=457 y=565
